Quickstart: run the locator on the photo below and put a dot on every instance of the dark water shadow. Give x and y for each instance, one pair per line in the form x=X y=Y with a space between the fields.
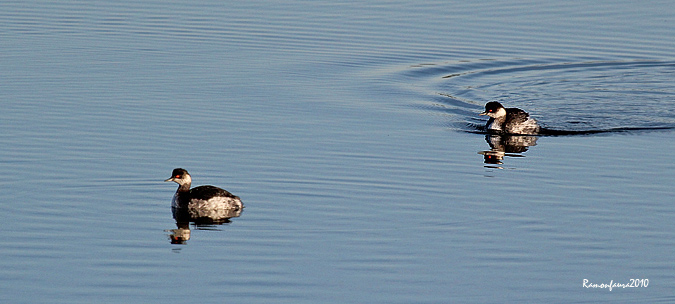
x=514 y=145
x=555 y=132
x=545 y=131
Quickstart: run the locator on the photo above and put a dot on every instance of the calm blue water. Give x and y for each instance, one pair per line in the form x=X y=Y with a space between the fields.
x=349 y=132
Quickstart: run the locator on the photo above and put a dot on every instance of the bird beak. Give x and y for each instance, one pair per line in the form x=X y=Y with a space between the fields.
x=484 y=113
x=169 y=179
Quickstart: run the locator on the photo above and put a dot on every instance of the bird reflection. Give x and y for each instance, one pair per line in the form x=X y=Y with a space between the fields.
x=505 y=145
x=181 y=234
x=200 y=220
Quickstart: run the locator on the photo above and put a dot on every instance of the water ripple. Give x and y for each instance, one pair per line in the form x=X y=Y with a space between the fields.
x=568 y=96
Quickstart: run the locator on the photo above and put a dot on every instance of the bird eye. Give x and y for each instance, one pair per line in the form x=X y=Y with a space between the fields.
x=177 y=176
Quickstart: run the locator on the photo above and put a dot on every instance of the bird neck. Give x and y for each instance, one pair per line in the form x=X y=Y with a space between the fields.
x=499 y=119
x=183 y=187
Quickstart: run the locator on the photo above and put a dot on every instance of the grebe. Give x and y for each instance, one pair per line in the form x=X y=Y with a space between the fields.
x=509 y=120
x=202 y=201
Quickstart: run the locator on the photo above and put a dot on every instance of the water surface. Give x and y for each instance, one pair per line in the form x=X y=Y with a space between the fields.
x=348 y=130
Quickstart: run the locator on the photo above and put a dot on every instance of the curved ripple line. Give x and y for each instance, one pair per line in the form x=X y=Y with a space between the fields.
x=569 y=97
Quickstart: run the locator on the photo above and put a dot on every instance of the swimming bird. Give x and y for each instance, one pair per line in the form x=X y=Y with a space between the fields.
x=509 y=120
x=202 y=201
